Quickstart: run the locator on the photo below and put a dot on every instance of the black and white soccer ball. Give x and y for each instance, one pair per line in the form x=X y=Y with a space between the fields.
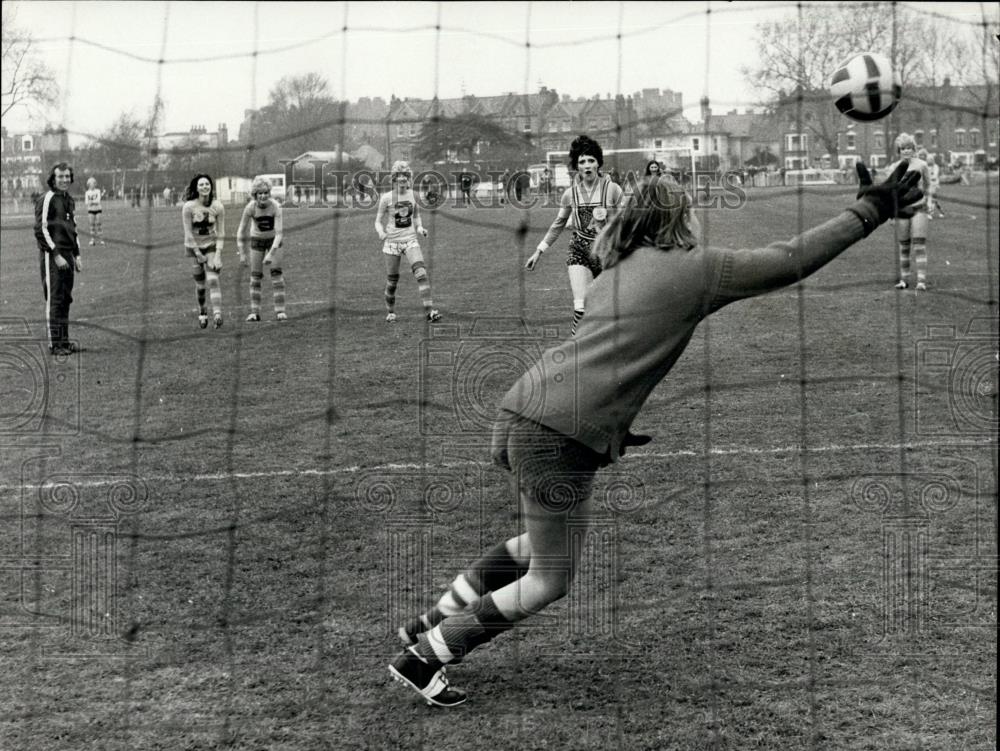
x=865 y=87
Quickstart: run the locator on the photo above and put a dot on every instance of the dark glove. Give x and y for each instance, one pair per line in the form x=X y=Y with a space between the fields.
x=890 y=197
x=633 y=439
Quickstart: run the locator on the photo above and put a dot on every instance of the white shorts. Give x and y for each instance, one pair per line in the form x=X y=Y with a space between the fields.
x=409 y=248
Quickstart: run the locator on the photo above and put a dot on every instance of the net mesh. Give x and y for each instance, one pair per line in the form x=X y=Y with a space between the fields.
x=234 y=527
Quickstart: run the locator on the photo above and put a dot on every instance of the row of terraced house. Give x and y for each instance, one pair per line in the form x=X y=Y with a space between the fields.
x=958 y=123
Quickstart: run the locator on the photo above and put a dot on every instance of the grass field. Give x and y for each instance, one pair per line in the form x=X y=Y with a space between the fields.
x=209 y=537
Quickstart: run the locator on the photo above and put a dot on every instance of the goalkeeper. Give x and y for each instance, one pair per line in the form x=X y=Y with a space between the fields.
x=657 y=285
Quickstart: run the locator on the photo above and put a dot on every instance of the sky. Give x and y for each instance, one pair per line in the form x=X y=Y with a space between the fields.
x=105 y=54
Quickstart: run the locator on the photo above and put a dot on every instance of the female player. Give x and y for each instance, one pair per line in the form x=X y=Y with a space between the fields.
x=657 y=285
x=262 y=216
x=92 y=197
x=585 y=207
x=399 y=236
x=204 y=219
x=911 y=224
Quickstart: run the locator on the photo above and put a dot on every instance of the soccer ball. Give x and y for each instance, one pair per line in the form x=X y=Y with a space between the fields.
x=865 y=87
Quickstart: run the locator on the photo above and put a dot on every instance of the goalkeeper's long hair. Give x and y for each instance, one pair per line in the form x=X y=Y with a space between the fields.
x=657 y=214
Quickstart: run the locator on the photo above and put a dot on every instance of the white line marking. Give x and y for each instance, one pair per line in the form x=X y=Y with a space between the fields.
x=630 y=458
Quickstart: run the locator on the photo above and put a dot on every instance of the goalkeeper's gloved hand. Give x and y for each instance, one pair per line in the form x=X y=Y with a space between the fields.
x=898 y=190
x=633 y=439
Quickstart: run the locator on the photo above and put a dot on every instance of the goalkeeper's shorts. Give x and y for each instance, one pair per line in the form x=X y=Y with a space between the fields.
x=551 y=468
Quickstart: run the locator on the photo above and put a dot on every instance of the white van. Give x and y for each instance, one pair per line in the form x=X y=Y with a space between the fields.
x=277 y=185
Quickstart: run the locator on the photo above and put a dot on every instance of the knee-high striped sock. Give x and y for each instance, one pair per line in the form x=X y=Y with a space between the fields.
x=920 y=258
x=278 y=289
x=457 y=635
x=578 y=310
x=391 y=282
x=199 y=289
x=495 y=569
x=904 y=260
x=214 y=291
x=423 y=284
x=256 y=280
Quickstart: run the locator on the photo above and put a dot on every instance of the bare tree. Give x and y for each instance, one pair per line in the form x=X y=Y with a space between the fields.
x=26 y=80
x=975 y=61
x=798 y=55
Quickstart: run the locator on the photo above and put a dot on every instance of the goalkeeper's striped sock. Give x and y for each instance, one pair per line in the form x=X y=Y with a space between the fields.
x=495 y=569
x=456 y=636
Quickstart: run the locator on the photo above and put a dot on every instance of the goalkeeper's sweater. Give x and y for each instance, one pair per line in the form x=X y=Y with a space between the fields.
x=641 y=314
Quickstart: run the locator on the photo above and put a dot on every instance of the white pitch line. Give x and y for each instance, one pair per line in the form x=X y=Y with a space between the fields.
x=629 y=458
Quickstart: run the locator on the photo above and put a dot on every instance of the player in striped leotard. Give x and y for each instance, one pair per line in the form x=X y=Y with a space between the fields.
x=262 y=216
x=204 y=219
x=586 y=207
x=399 y=236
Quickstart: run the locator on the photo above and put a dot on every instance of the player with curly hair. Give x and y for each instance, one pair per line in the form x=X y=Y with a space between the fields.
x=658 y=284
x=586 y=206
x=262 y=219
x=397 y=223
x=204 y=219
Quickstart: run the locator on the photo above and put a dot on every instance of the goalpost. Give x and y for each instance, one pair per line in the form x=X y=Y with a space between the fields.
x=677 y=159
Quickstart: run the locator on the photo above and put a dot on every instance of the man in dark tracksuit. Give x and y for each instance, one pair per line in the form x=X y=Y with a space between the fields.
x=59 y=255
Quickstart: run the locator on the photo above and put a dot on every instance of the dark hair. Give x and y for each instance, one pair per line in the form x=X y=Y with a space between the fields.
x=659 y=167
x=585 y=146
x=52 y=174
x=192 y=189
x=657 y=214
